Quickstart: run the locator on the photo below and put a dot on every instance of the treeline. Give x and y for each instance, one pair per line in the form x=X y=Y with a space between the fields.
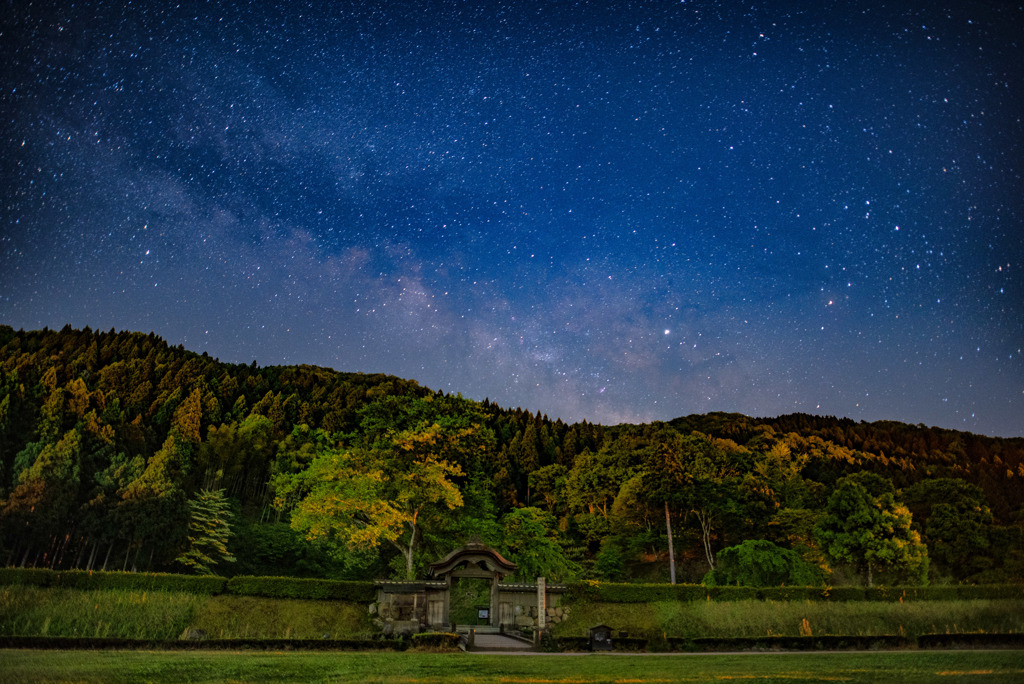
x=104 y=436
x=109 y=439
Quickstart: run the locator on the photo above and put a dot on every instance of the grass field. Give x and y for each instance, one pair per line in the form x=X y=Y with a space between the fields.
x=787 y=618
x=35 y=611
x=426 y=668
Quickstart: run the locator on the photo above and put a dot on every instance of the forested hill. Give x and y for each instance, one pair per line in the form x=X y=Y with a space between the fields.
x=904 y=453
x=106 y=438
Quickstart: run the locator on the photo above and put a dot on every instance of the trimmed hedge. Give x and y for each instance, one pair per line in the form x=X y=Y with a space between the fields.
x=604 y=592
x=564 y=644
x=766 y=643
x=732 y=593
x=37 y=577
x=270 y=587
x=101 y=643
x=140 y=581
x=791 y=593
x=436 y=641
x=800 y=643
x=610 y=592
x=298 y=588
x=843 y=594
x=971 y=640
x=133 y=581
x=572 y=643
x=990 y=591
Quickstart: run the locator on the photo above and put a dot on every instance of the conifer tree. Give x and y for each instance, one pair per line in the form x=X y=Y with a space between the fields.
x=209 y=528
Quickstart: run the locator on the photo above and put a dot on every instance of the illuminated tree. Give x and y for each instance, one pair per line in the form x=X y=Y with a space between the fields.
x=363 y=497
x=870 y=530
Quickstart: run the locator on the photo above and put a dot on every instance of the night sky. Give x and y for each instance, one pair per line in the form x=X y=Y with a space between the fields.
x=624 y=211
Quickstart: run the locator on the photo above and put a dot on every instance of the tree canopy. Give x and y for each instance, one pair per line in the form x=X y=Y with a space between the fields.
x=107 y=440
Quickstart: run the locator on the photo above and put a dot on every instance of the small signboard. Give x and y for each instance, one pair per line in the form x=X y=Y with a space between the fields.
x=601 y=638
x=483 y=613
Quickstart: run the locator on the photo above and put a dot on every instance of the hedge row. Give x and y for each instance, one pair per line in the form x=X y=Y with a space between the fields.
x=565 y=644
x=646 y=593
x=446 y=641
x=133 y=581
x=102 y=643
x=799 y=643
x=272 y=587
x=293 y=587
x=364 y=592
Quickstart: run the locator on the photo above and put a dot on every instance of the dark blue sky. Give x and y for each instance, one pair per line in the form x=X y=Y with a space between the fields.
x=607 y=211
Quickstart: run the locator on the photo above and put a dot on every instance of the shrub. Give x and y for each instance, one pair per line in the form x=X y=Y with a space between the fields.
x=971 y=640
x=572 y=643
x=638 y=644
x=436 y=641
x=293 y=587
x=760 y=563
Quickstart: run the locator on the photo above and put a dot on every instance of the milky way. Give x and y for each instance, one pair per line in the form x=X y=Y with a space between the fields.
x=615 y=212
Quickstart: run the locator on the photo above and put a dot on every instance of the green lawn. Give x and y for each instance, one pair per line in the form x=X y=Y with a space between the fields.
x=425 y=668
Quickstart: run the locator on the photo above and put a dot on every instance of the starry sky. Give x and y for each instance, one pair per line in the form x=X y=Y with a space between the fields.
x=612 y=211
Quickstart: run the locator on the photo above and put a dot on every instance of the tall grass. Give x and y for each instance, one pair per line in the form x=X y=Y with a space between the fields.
x=792 y=618
x=250 y=617
x=36 y=611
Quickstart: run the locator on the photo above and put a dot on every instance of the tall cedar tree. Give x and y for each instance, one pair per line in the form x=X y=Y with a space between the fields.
x=209 y=529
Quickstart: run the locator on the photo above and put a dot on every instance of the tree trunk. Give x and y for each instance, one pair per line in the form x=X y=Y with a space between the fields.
x=83 y=545
x=92 y=555
x=62 y=549
x=704 y=518
x=671 y=549
x=408 y=555
x=869 y=574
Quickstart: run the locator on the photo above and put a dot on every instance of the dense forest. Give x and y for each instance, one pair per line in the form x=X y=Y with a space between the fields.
x=121 y=452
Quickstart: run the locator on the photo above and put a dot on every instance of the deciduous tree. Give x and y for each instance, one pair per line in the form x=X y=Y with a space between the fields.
x=870 y=531
x=362 y=497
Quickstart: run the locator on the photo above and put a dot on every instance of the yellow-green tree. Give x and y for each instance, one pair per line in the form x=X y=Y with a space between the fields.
x=864 y=526
x=364 y=497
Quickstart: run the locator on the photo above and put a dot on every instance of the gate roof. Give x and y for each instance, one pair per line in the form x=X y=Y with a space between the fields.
x=473 y=552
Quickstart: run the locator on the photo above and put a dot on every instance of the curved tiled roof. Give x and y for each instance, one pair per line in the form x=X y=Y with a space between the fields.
x=473 y=552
